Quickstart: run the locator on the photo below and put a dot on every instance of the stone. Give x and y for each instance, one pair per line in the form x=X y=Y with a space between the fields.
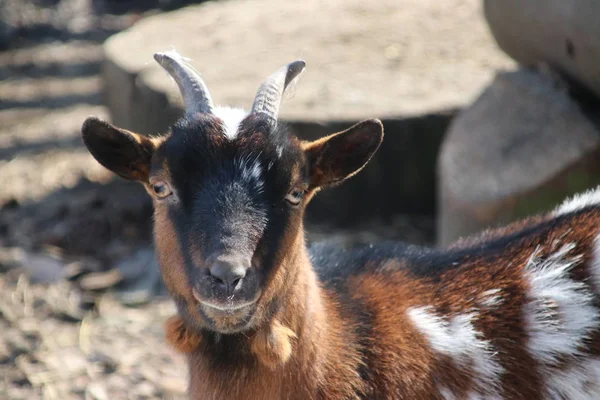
x=139 y=264
x=43 y=268
x=96 y=391
x=561 y=33
x=384 y=58
x=522 y=147
x=109 y=364
x=145 y=390
x=17 y=343
x=11 y=257
x=410 y=63
x=65 y=302
x=141 y=278
x=6 y=354
x=101 y=280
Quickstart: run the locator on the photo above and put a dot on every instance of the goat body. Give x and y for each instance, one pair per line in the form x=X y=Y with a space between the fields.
x=512 y=313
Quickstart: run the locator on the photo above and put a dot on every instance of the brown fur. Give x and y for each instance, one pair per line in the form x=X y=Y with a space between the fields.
x=180 y=336
x=400 y=363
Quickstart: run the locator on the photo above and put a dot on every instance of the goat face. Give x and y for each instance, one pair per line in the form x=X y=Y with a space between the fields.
x=233 y=208
x=229 y=191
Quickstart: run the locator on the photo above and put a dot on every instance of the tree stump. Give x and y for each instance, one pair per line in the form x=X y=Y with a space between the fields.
x=521 y=148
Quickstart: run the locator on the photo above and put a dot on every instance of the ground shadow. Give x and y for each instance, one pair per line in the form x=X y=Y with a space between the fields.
x=50 y=70
x=53 y=102
x=19 y=149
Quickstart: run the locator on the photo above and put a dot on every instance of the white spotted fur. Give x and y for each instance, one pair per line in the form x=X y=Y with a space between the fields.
x=231 y=118
x=490 y=298
x=595 y=265
x=560 y=312
x=250 y=170
x=457 y=337
x=447 y=393
x=580 y=381
x=579 y=202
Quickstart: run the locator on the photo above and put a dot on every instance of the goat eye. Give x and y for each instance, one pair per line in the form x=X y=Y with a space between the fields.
x=161 y=189
x=294 y=197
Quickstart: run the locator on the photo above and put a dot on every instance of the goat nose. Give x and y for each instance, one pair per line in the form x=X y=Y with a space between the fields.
x=227 y=274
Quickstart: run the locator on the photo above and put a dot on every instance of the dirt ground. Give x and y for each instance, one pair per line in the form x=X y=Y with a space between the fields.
x=81 y=303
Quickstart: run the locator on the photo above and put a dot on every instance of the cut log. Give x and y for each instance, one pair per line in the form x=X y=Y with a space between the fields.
x=520 y=149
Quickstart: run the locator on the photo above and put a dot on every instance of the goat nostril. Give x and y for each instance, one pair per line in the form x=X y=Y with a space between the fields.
x=219 y=281
x=235 y=282
x=227 y=275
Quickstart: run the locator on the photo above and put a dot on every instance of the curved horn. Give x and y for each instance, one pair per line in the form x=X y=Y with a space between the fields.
x=268 y=96
x=196 y=98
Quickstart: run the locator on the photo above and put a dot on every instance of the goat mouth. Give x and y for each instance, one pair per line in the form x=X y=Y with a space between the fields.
x=228 y=306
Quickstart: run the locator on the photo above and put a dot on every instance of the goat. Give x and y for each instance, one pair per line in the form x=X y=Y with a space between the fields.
x=512 y=313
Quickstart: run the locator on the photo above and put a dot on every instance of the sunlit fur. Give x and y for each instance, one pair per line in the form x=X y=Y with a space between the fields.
x=231 y=119
x=512 y=313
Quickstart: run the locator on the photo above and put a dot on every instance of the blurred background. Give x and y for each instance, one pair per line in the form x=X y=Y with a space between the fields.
x=490 y=112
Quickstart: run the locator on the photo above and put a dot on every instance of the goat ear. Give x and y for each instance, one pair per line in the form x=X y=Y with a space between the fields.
x=125 y=153
x=339 y=156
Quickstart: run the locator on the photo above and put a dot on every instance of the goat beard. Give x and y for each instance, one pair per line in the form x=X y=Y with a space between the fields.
x=272 y=345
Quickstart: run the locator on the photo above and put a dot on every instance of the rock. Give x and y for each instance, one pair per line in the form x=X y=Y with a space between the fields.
x=96 y=391
x=384 y=58
x=17 y=377
x=141 y=278
x=100 y=280
x=29 y=327
x=69 y=363
x=561 y=33
x=81 y=266
x=6 y=354
x=10 y=257
x=145 y=390
x=119 y=382
x=521 y=148
x=407 y=62
x=42 y=268
x=17 y=344
x=139 y=264
x=109 y=364
x=65 y=302
x=7 y=312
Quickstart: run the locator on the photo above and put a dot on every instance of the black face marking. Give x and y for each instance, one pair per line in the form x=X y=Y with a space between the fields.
x=231 y=210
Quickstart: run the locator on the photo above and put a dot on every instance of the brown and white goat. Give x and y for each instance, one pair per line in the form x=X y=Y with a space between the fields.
x=513 y=313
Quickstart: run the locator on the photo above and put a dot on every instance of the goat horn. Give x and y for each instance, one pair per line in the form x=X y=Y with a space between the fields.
x=196 y=98
x=268 y=96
